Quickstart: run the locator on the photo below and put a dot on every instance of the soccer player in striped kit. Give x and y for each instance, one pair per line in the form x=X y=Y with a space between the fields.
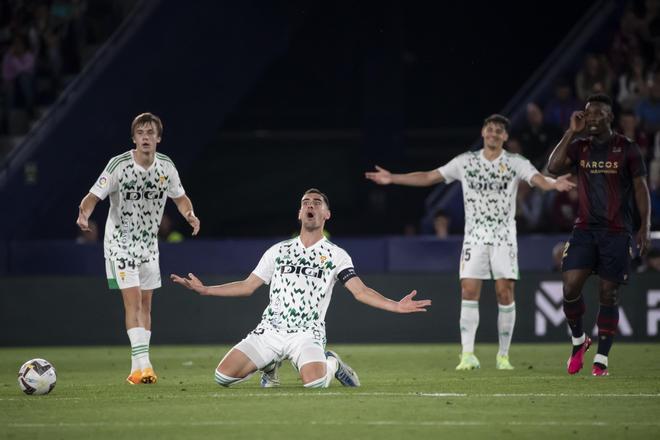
x=611 y=176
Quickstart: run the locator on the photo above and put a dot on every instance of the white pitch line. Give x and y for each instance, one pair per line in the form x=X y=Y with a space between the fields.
x=275 y=394
x=432 y=423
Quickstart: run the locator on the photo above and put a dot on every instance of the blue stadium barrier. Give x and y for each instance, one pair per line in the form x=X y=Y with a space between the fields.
x=240 y=256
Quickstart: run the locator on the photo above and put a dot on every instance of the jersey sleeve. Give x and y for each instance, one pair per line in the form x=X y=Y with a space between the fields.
x=452 y=170
x=635 y=161
x=174 y=187
x=345 y=269
x=266 y=267
x=105 y=184
x=525 y=169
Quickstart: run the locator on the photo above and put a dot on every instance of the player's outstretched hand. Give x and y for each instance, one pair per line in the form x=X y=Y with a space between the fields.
x=194 y=222
x=577 y=122
x=563 y=183
x=408 y=305
x=381 y=176
x=192 y=283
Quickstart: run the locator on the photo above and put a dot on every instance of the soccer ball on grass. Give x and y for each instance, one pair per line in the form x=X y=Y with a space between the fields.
x=37 y=377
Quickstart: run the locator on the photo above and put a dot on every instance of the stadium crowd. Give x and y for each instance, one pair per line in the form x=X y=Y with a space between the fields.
x=43 y=46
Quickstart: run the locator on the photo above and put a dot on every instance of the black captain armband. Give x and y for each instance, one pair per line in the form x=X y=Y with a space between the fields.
x=346 y=275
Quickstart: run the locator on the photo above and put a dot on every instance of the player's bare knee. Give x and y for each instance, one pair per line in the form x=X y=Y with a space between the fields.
x=571 y=291
x=504 y=295
x=469 y=294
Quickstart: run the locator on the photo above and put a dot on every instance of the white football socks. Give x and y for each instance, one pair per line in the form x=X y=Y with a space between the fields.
x=469 y=322
x=139 y=348
x=506 y=320
x=331 y=366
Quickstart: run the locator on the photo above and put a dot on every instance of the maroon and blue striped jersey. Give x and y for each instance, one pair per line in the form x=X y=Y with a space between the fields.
x=605 y=174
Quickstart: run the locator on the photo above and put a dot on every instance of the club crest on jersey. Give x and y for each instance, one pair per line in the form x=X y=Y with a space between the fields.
x=323 y=258
x=503 y=168
x=122 y=275
x=162 y=179
x=301 y=270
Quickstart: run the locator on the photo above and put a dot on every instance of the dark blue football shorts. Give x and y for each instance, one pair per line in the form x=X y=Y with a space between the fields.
x=606 y=253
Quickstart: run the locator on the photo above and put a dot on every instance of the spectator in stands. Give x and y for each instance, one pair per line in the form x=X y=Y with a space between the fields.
x=559 y=109
x=594 y=77
x=629 y=127
x=649 y=25
x=441 y=222
x=18 y=75
x=632 y=84
x=626 y=42
x=45 y=37
x=648 y=109
x=514 y=146
x=536 y=136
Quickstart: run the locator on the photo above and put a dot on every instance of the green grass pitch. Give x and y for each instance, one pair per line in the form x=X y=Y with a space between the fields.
x=408 y=391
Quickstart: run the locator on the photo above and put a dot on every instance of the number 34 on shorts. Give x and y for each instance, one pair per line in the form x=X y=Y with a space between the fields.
x=123 y=273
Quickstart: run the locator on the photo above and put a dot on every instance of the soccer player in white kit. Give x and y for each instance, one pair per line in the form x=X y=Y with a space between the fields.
x=302 y=273
x=490 y=179
x=138 y=183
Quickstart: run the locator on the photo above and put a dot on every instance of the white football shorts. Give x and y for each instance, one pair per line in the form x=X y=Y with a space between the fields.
x=486 y=262
x=123 y=273
x=264 y=346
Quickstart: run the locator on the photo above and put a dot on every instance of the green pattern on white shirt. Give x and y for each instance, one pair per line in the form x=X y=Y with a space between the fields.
x=301 y=282
x=489 y=194
x=137 y=202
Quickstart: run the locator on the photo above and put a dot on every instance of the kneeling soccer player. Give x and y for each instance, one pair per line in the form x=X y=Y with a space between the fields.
x=301 y=272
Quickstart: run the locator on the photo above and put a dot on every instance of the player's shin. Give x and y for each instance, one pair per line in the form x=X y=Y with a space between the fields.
x=139 y=348
x=469 y=321
x=506 y=320
x=608 y=320
x=574 y=310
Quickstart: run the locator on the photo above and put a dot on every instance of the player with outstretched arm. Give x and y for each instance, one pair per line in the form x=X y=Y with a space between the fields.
x=302 y=273
x=490 y=179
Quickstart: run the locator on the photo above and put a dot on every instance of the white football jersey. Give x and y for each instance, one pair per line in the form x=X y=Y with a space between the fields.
x=137 y=201
x=489 y=194
x=301 y=281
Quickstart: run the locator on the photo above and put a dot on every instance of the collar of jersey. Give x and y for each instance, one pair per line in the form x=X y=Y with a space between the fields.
x=140 y=166
x=312 y=246
x=483 y=156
